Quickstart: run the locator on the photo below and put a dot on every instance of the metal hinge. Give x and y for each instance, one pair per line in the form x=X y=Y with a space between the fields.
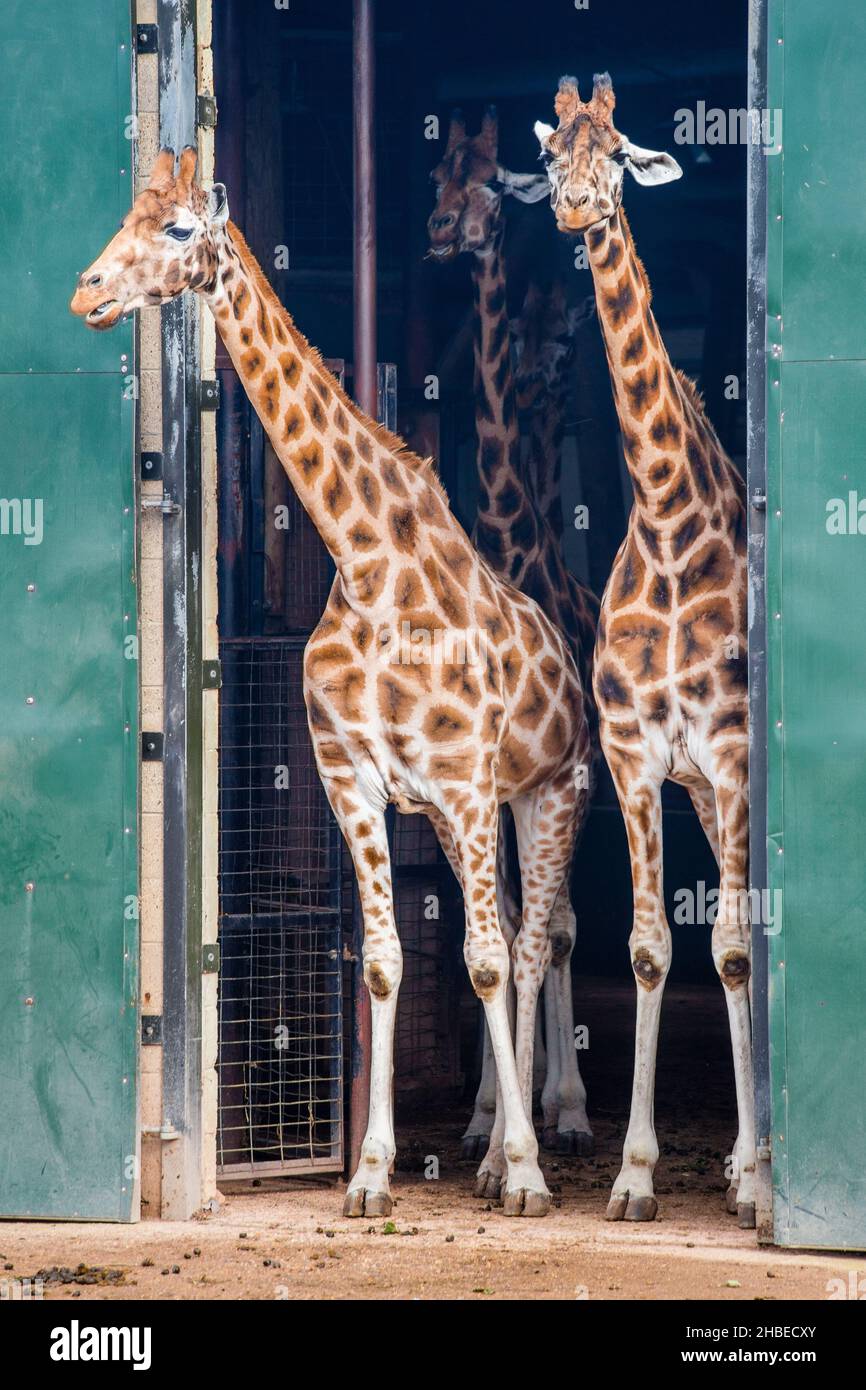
x=210 y=959
x=210 y=395
x=151 y=1030
x=151 y=467
x=205 y=111
x=211 y=674
x=759 y=500
x=147 y=38
x=152 y=746
x=164 y=504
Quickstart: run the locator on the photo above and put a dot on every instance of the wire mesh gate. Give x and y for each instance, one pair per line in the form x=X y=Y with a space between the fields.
x=280 y=1050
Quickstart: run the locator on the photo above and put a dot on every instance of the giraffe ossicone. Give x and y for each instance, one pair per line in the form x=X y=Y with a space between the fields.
x=448 y=739
x=670 y=662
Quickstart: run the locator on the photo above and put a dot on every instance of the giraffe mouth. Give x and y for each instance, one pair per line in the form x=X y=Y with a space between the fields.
x=105 y=315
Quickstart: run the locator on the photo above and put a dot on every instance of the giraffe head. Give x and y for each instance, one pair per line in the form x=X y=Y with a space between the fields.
x=470 y=185
x=165 y=246
x=542 y=340
x=586 y=157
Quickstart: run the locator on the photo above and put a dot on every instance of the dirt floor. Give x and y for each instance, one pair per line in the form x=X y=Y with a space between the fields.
x=442 y=1242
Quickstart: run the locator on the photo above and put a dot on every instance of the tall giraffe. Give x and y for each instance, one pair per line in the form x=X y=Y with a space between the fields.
x=483 y=710
x=670 y=662
x=516 y=541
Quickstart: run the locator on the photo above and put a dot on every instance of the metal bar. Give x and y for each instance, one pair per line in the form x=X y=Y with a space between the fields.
x=181 y=1078
x=365 y=389
x=757 y=488
x=364 y=88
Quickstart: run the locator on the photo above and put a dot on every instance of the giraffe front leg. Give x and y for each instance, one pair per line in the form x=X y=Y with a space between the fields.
x=732 y=959
x=369 y=1190
x=632 y=1197
x=486 y=954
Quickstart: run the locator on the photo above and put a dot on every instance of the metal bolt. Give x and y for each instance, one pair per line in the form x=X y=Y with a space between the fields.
x=29 y=1001
x=30 y=700
x=28 y=887
x=31 y=588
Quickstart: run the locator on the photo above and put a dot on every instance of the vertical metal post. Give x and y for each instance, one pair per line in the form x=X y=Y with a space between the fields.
x=364 y=97
x=182 y=767
x=757 y=491
x=365 y=392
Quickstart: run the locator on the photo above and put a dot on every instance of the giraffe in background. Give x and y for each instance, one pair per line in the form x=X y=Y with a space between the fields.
x=517 y=542
x=670 y=661
x=446 y=735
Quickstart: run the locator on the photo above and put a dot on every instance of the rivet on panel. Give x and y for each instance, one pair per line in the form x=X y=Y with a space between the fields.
x=31 y=588
x=29 y=1001
x=28 y=887
x=30 y=700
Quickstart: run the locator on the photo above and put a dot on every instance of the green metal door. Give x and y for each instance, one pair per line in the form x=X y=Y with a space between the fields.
x=816 y=618
x=68 y=627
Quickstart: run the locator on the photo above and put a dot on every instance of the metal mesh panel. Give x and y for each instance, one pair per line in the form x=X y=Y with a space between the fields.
x=279 y=1061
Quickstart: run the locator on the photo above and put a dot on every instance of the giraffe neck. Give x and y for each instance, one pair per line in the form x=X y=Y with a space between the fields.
x=367 y=496
x=546 y=432
x=670 y=448
x=504 y=531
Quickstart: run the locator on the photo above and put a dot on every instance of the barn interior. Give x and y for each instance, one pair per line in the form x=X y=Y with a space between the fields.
x=288 y=924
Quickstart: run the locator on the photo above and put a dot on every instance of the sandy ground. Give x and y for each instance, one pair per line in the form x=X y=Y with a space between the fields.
x=443 y=1243
x=440 y=1244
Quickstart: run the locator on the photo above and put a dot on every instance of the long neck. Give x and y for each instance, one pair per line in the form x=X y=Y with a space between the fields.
x=671 y=451
x=365 y=494
x=546 y=430
x=505 y=527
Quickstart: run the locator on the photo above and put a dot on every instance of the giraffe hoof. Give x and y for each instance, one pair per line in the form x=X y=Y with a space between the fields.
x=522 y=1201
x=731 y=1200
x=474 y=1146
x=488 y=1185
x=746 y=1214
x=623 y=1207
x=573 y=1141
x=360 y=1202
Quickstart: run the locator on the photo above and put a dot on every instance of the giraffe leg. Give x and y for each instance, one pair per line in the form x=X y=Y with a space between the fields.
x=486 y=955
x=476 y=1139
x=632 y=1197
x=369 y=1192
x=566 y=1127
x=704 y=801
x=732 y=958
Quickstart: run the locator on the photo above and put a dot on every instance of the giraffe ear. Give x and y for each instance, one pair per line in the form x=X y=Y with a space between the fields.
x=162 y=174
x=650 y=167
x=543 y=133
x=527 y=188
x=218 y=205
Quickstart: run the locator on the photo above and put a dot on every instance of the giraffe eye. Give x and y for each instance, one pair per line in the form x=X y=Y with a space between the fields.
x=178 y=233
x=619 y=157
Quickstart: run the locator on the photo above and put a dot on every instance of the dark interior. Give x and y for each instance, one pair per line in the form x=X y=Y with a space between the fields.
x=284 y=150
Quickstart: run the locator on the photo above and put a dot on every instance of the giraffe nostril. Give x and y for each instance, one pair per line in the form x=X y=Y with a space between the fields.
x=94 y=281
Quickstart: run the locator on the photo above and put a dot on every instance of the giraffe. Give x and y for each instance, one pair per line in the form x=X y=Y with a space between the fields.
x=516 y=541
x=484 y=710
x=670 y=660
x=543 y=341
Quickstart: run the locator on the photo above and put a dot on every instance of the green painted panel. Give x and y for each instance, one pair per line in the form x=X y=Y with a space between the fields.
x=818 y=961
x=824 y=149
x=816 y=803
x=65 y=95
x=68 y=649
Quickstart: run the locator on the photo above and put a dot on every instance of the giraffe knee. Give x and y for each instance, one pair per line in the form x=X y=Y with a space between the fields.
x=380 y=981
x=734 y=969
x=485 y=980
x=649 y=967
x=560 y=948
